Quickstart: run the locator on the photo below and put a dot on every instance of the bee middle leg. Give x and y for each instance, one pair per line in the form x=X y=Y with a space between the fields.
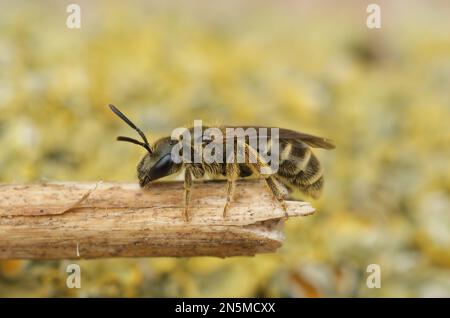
x=232 y=172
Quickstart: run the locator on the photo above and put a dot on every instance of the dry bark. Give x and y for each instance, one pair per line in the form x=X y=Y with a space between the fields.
x=93 y=220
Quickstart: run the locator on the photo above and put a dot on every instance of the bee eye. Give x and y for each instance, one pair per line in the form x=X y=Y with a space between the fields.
x=161 y=168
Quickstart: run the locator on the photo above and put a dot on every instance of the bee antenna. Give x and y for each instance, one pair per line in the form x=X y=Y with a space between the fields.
x=132 y=125
x=134 y=141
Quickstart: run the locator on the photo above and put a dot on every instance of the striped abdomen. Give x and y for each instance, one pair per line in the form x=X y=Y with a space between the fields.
x=300 y=168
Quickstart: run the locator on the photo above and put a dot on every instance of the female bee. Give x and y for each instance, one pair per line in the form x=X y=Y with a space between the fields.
x=298 y=168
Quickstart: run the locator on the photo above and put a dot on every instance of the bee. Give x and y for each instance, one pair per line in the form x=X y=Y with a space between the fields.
x=298 y=168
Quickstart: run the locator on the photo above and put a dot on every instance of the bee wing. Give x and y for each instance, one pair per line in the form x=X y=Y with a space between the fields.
x=287 y=134
x=311 y=140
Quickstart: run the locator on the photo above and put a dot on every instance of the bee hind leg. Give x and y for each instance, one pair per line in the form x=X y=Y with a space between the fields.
x=279 y=191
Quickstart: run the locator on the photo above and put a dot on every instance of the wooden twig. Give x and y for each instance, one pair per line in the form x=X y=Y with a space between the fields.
x=91 y=220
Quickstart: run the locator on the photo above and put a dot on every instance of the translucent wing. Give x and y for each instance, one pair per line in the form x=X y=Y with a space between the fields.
x=287 y=134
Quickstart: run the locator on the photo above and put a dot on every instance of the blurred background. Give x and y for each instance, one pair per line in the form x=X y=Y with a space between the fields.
x=382 y=94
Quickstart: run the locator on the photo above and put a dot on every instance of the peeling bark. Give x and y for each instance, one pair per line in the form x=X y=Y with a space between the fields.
x=92 y=220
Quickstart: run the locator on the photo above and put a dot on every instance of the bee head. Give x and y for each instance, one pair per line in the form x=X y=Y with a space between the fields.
x=157 y=163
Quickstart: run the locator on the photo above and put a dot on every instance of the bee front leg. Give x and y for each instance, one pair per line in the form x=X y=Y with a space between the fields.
x=187 y=192
x=232 y=172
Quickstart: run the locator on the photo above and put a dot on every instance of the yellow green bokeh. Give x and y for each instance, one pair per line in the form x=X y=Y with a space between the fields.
x=383 y=95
